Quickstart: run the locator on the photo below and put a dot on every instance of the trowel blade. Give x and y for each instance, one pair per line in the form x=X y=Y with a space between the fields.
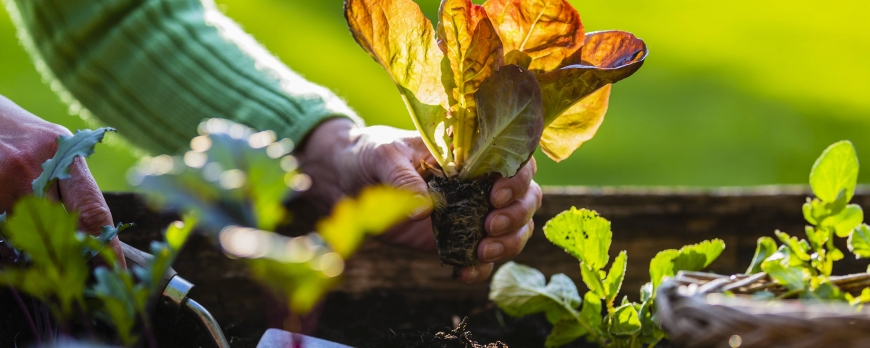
x=274 y=338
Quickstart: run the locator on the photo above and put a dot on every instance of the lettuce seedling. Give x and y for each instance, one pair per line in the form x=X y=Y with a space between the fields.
x=488 y=85
x=804 y=266
x=521 y=290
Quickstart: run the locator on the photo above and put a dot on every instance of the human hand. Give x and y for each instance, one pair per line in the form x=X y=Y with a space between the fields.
x=342 y=159
x=26 y=141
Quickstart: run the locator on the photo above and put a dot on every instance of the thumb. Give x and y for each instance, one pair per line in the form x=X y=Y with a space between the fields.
x=81 y=194
x=401 y=174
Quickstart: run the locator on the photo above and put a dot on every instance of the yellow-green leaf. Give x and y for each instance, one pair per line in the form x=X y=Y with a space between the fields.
x=576 y=125
x=548 y=31
x=859 y=242
x=582 y=233
x=625 y=320
x=836 y=170
x=399 y=37
x=766 y=247
x=615 y=276
x=846 y=220
x=607 y=57
x=592 y=280
x=353 y=219
x=791 y=277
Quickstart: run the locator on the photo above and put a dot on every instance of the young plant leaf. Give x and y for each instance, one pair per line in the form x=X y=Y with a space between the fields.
x=119 y=296
x=846 y=221
x=790 y=277
x=864 y=297
x=607 y=57
x=44 y=230
x=106 y=235
x=836 y=170
x=509 y=111
x=591 y=312
x=583 y=234
x=576 y=125
x=68 y=148
x=353 y=219
x=696 y=257
x=399 y=37
x=859 y=242
x=661 y=266
x=547 y=31
x=592 y=280
x=521 y=290
x=614 y=278
x=796 y=248
x=565 y=331
x=766 y=247
x=474 y=51
x=625 y=321
x=693 y=257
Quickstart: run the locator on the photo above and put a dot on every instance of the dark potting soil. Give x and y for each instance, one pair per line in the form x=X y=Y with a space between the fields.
x=386 y=319
x=458 y=217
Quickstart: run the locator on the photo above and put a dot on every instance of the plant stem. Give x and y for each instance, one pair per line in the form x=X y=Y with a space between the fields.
x=27 y=316
x=789 y=293
x=589 y=329
x=149 y=332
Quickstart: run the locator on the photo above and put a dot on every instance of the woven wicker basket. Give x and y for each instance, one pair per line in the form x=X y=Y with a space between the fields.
x=695 y=313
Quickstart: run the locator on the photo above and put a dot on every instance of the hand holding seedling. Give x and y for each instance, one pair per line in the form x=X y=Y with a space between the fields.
x=484 y=87
x=342 y=159
x=26 y=141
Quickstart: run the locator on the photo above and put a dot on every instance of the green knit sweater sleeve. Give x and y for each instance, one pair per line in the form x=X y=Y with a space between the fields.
x=154 y=69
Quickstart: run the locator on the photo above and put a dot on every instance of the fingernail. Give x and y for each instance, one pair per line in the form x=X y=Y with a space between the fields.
x=498 y=224
x=472 y=276
x=502 y=197
x=492 y=251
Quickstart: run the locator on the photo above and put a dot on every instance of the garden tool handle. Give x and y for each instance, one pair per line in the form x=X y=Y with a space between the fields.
x=174 y=295
x=138 y=257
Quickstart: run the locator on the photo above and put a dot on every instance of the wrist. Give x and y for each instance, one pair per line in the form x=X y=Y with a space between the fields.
x=321 y=158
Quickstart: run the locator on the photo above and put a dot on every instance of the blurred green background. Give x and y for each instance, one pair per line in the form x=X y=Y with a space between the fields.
x=740 y=92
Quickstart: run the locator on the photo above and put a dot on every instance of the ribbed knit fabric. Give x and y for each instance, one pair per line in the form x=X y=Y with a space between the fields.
x=154 y=69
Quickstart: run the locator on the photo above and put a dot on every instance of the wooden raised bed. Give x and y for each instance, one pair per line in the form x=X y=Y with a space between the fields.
x=388 y=288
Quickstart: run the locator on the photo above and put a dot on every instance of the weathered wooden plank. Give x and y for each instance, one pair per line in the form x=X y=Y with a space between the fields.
x=644 y=221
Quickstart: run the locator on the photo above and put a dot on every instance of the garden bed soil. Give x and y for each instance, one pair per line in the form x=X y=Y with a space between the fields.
x=380 y=297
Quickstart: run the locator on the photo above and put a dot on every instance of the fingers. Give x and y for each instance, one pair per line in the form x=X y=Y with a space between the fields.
x=398 y=170
x=474 y=274
x=80 y=193
x=507 y=190
x=501 y=248
x=515 y=215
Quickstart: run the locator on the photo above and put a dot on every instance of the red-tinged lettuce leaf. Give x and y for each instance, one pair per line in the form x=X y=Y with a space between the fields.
x=399 y=37
x=511 y=122
x=548 y=31
x=474 y=51
x=606 y=57
x=576 y=125
x=576 y=96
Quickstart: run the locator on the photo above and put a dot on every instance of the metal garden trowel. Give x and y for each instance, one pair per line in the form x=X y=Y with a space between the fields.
x=174 y=302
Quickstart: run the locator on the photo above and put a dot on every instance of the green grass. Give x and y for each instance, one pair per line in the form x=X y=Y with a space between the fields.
x=733 y=93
